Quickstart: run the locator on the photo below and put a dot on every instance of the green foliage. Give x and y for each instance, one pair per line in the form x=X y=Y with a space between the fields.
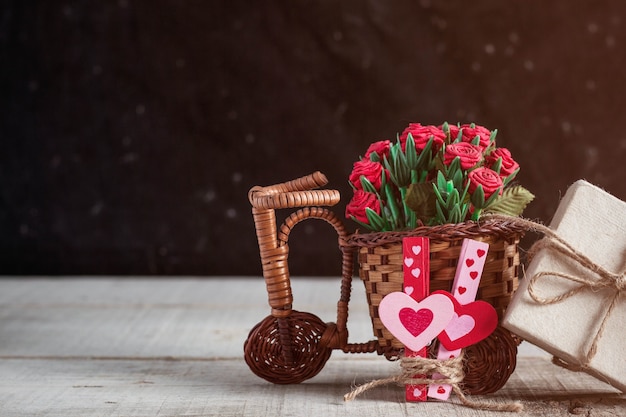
x=512 y=202
x=511 y=177
x=374 y=157
x=397 y=166
x=420 y=199
x=367 y=185
x=417 y=187
x=377 y=222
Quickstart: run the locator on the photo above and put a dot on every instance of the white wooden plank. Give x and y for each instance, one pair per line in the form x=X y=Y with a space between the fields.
x=125 y=290
x=84 y=388
x=175 y=290
x=148 y=318
x=180 y=317
x=88 y=347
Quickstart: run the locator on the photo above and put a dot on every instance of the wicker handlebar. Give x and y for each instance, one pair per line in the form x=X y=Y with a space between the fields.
x=300 y=192
x=273 y=248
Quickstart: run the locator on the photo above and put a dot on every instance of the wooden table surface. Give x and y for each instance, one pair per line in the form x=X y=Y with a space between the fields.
x=173 y=347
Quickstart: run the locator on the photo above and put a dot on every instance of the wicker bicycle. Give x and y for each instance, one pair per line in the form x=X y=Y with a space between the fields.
x=290 y=346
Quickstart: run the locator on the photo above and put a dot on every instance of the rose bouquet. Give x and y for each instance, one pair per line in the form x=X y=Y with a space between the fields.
x=434 y=175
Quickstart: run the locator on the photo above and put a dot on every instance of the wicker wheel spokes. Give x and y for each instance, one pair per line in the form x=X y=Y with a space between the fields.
x=490 y=363
x=289 y=352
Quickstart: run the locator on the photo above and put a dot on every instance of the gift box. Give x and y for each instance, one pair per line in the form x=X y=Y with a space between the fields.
x=571 y=302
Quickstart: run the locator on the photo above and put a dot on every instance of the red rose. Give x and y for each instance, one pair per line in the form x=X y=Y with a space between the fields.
x=372 y=171
x=508 y=163
x=470 y=133
x=486 y=177
x=421 y=135
x=381 y=148
x=360 y=201
x=470 y=155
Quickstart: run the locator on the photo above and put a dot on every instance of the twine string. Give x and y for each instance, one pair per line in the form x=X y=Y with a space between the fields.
x=450 y=369
x=605 y=280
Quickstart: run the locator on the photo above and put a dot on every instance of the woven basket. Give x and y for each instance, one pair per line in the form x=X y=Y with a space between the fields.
x=380 y=258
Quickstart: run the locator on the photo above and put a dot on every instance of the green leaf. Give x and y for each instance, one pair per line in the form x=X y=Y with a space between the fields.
x=438 y=160
x=445 y=127
x=497 y=166
x=397 y=165
x=367 y=226
x=492 y=137
x=492 y=198
x=367 y=185
x=424 y=161
x=411 y=153
x=374 y=219
x=386 y=214
x=476 y=214
x=455 y=166
x=438 y=195
x=476 y=140
x=395 y=211
x=374 y=157
x=421 y=198
x=478 y=197
x=464 y=210
x=455 y=215
x=457 y=179
x=459 y=137
x=440 y=218
x=510 y=178
x=464 y=198
x=453 y=200
x=387 y=163
x=441 y=181
x=512 y=202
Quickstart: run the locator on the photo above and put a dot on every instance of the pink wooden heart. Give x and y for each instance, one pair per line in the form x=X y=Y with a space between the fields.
x=413 y=323
x=470 y=324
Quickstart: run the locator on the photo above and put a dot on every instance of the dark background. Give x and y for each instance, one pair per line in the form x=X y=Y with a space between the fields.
x=131 y=131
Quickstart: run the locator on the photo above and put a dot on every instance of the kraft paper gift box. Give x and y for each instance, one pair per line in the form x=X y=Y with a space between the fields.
x=593 y=222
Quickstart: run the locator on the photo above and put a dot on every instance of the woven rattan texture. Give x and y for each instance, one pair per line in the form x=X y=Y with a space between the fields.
x=287 y=350
x=490 y=363
x=380 y=258
x=380 y=268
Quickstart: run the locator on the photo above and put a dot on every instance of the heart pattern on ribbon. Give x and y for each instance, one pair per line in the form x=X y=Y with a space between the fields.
x=416 y=324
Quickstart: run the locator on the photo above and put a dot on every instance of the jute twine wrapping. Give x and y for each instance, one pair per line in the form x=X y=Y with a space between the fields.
x=599 y=278
x=450 y=369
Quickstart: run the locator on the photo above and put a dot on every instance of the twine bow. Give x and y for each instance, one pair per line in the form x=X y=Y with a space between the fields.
x=606 y=280
x=450 y=369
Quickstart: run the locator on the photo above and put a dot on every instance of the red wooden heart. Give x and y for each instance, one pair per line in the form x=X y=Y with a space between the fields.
x=480 y=253
x=470 y=324
x=462 y=290
x=469 y=262
x=415 y=321
x=474 y=274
